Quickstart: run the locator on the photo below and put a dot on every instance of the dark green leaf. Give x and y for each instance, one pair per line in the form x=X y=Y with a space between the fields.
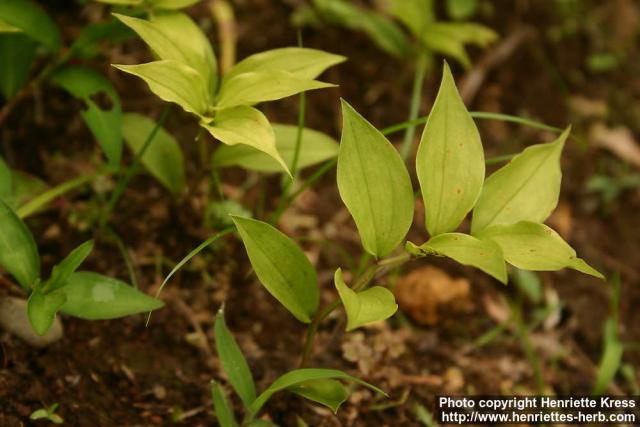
x=18 y=251
x=233 y=362
x=327 y=392
x=223 y=411
x=17 y=53
x=93 y=296
x=6 y=181
x=105 y=122
x=163 y=157
x=281 y=266
x=29 y=17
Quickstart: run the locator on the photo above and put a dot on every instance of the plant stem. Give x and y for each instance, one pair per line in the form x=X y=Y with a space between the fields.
x=132 y=168
x=223 y=14
x=414 y=109
x=301 y=113
x=527 y=346
x=362 y=281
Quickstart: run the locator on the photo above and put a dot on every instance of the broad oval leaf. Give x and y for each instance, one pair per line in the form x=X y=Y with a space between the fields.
x=371 y=305
x=245 y=125
x=303 y=63
x=327 y=392
x=233 y=362
x=93 y=296
x=222 y=409
x=174 y=36
x=450 y=160
x=533 y=246
x=29 y=17
x=105 y=123
x=61 y=272
x=281 y=266
x=42 y=309
x=18 y=251
x=526 y=189
x=17 y=52
x=163 y=157
x=374 y=184
x=295 y=377
x=173 y=81
x=483 y=254
x=259 y=86
x=315 y=147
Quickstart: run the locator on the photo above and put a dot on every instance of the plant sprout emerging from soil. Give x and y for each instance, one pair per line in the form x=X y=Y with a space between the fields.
x=508 y=210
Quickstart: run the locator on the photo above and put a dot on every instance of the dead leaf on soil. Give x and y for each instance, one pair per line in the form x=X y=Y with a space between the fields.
x=618 y=140
x=427 y=290
x=587 y=108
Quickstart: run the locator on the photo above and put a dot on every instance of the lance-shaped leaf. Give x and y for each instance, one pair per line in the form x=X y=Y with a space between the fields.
x=175 y=37
x=302 y=62
x=245 y=125
x=223 y=411
x=450 y=161
x=450 y=38
x=233 y=362
x=42 y=309
x=293 y=378
x=173 y=81
x=163 y=157
x=374 y=184
x=29 y=17
x=61 y=272
x=93 y=296
x=259 y=86
x=371 y=305
x=526 y=189
x=17 y=52
x=281 y=266
x=483 y=254
x=533 y=246
x=18 y=251
x=105 y=123
x=315 y=147
x=327 y=392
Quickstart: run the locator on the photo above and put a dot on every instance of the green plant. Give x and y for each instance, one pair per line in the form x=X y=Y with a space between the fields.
x=48 y=413
x=509 y=208
x=85 y=295
x=186 y=74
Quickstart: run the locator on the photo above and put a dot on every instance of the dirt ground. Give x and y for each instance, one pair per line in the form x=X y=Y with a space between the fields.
x=121 y=373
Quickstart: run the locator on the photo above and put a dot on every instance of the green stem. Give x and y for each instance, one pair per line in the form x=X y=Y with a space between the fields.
x=527 y=347
x=301 y=115
x=414 y=109
x=132 y=168
x=43 y=199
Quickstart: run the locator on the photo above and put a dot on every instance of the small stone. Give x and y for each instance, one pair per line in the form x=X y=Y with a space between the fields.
x=13 y=319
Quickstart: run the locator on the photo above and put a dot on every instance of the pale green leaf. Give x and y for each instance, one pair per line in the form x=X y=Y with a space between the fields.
x=526 y=189
x=371 y=305
x=29 y=17
x=245 y=125
x=223 y=411
x=17 y=52
x=259 y=86
x=93 y=296
x=105 y=123
x=281 y=266
x=483 y=254
x=173 y=81
x=374 y=184
x=61 y=272
x=233 y=362
x=42 y=309
x=163 y=157
x=461 y=9
x=315 y=147
x=175 y=37
x=417 y=15
x=298 y=376
x=18 y=251
x=327 y=392
x=450 y=38
x=123 y=2
x=450 y=160
x=173 y=4
x=533 y=246
x=303 y=63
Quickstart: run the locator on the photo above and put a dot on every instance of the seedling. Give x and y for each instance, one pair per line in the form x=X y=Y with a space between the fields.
x=48 y=414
